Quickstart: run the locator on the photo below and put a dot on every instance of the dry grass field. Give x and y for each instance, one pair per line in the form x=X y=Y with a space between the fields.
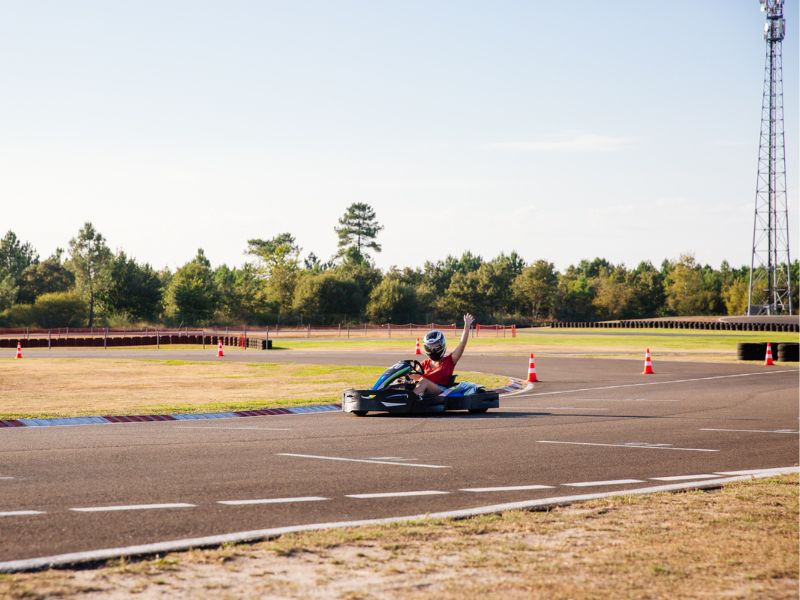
x=739 y=542
x=67 y=387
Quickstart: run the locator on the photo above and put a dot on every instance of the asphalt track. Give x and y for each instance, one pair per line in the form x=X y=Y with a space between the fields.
x=591 y=425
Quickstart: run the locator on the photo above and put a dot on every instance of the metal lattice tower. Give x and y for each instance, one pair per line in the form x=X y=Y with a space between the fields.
x=770 y=281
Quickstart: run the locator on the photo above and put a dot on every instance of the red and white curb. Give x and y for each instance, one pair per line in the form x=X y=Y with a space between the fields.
x=513 y=385
x=262 y=412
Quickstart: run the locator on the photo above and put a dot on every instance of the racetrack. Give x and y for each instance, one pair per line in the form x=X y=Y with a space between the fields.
x=590 y=425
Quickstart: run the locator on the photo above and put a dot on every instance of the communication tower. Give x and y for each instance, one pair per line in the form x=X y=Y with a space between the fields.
x=770 y=280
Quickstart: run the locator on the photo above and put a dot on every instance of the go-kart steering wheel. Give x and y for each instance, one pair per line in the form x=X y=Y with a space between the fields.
x=416 y=367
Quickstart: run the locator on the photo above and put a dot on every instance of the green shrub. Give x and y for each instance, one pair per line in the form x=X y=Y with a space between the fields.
x=60 y=309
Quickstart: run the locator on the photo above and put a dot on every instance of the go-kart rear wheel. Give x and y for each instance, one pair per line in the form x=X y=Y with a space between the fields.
x=478 y=410
x=359 y=413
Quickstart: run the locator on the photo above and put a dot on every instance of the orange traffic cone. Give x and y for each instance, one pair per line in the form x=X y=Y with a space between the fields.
x=648 y=364
x=19 y=349
x=768 y=359
x=417 y=351
x=532 y=370
x=219 y=348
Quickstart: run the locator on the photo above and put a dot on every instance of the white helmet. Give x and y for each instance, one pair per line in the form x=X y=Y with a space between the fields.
x=435 y=344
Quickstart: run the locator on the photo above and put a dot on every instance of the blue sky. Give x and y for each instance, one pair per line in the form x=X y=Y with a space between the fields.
x=621 y=129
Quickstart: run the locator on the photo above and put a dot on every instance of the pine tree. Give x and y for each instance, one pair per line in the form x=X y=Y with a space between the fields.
x=357 y=232
x=89 y=260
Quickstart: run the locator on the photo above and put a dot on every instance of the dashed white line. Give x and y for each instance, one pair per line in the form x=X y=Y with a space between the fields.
x=793 y=431
x=20 y=513
x=684 y=477
x=252 y=536
x=398 y=494
x=635 y=445
x=132 y=507
x=6 y=478
x=364 y=460
x=511 y=488
x=272 y=501
x=599 y=483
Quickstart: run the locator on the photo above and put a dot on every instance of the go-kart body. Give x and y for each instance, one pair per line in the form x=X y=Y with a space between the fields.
x=394 y=393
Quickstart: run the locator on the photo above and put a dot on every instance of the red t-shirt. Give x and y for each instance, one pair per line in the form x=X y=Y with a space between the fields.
x=441 y=373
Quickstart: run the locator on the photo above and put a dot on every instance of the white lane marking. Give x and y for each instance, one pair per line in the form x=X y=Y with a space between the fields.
x=510 y=488
x=364 y=460
x=244 y=428
x=398 y=494
x=392 y=458
x=776 y=471
x=132 y=507
x=794 y=431
x=20 y=513
x=272 y=500
x=7 y=477
x=599 y=483
x=684 y=477
x=638 y=445
x=527 y=388
x=257 y=535
x=627 y=385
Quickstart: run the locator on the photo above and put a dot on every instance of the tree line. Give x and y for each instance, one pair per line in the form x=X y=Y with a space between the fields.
x=90 y=285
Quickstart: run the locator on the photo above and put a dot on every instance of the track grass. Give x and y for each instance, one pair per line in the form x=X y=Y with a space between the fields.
x=69 y=387
x=738 y=542
x=617 y=343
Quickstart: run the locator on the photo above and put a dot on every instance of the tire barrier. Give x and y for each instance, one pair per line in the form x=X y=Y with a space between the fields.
x=789 y=352
x=751 y=350
x=135 y=340
x=758 y=351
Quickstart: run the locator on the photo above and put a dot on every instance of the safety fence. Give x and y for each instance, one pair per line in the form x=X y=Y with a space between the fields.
x=669 y=324
x=243 y=337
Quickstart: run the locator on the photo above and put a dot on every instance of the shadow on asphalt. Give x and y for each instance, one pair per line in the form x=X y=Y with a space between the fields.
x=533 y=413
x=505 y=415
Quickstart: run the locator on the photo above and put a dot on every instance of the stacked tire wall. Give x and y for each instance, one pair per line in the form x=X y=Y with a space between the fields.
x=782 y=352
x=133 y=340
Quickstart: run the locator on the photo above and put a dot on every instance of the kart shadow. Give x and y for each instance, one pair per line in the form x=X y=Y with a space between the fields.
x=507 y=415
x=462 y=415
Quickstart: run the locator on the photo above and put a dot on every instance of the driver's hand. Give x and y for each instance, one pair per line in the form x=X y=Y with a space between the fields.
x=415 y=377
x=468 y=319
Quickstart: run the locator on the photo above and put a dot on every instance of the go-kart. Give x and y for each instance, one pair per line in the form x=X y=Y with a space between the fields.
x=393 y=392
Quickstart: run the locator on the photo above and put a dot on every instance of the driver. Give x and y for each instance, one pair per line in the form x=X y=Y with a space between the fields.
x=438 y=368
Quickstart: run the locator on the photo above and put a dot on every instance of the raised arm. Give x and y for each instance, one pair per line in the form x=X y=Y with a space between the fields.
x=468 y=319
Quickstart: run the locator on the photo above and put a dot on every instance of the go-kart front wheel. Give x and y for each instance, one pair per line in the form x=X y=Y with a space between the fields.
x=359 y=413
x=478 y=410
